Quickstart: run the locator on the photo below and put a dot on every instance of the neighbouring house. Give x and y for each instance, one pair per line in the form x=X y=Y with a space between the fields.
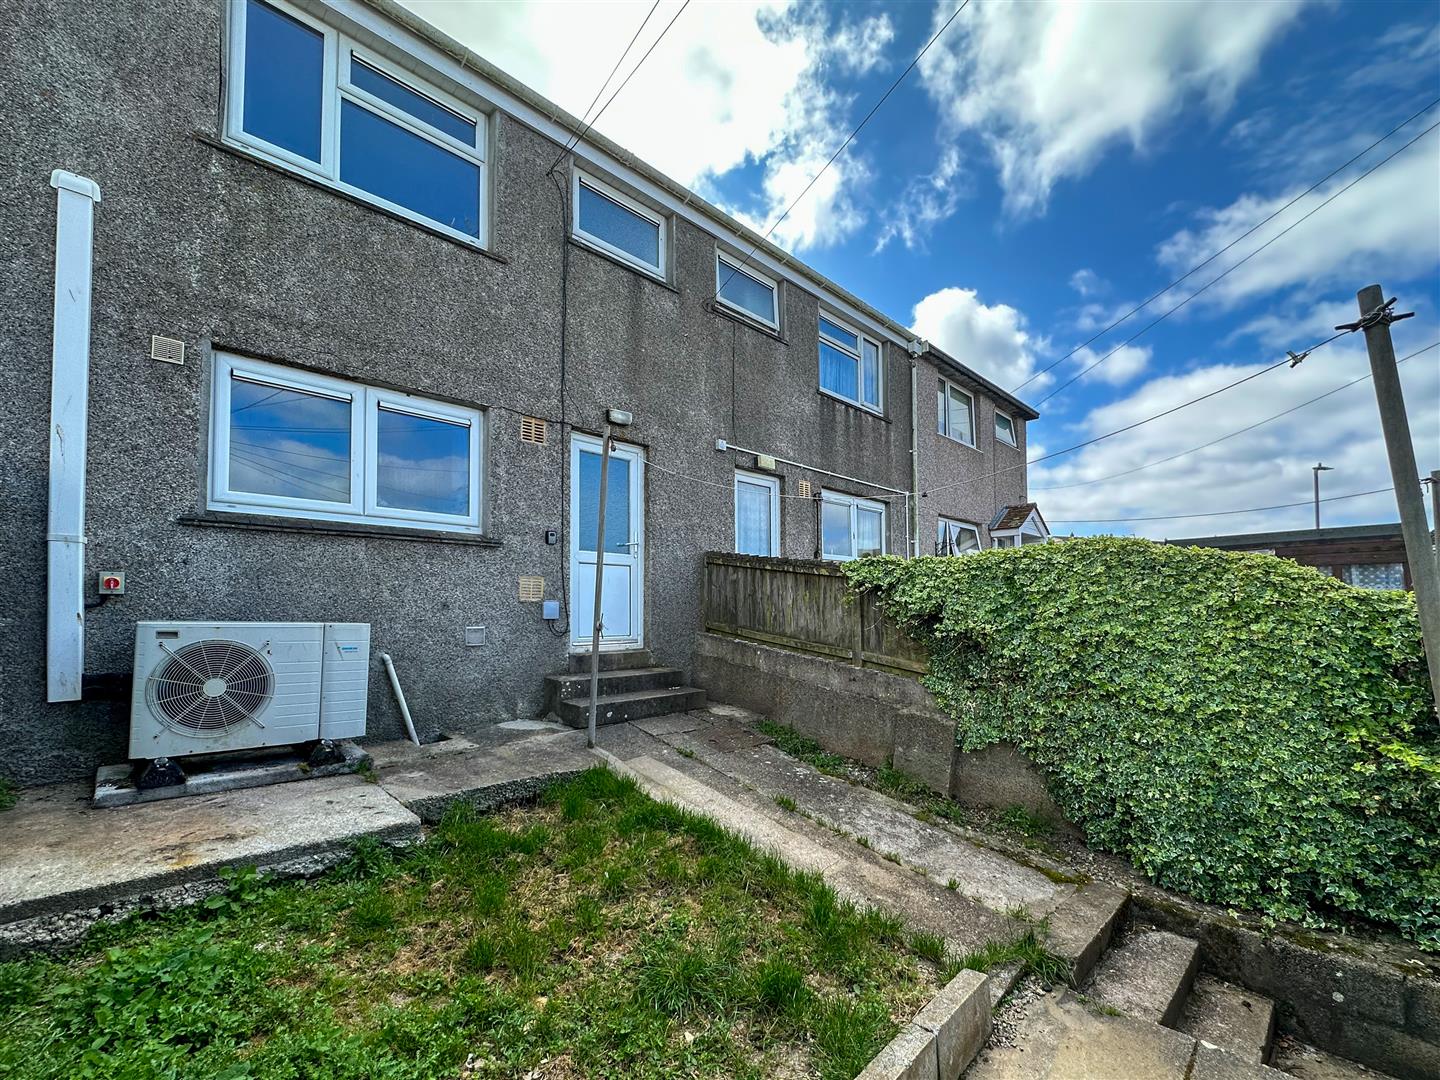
x=336 y=314
x=1369 y=556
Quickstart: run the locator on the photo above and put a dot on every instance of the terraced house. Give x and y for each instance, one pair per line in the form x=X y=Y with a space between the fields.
x=337 y=312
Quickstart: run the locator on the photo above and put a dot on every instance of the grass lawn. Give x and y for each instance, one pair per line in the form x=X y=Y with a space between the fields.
x=599 y=933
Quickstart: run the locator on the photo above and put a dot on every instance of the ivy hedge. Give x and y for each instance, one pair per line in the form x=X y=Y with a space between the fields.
x=1241 y=727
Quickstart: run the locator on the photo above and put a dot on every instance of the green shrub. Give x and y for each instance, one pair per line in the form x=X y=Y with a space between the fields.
x=1244 y=729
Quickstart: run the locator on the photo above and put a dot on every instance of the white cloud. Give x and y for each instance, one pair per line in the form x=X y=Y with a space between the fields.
x=730 y=85
x=1050 y=87
x=1120 y=366
x=1265 y=467
x=1389 y=220
x=1087 y=282
x=991 y=339
x=925 y=202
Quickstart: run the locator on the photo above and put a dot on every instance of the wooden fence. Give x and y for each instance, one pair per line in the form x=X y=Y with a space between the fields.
x=801 y=605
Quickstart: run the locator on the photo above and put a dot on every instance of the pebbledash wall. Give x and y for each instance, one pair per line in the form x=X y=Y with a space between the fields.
x=203 y=242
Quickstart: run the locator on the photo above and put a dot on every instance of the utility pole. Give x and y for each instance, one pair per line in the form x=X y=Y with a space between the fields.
x=1317 y=469
x=1375 y=319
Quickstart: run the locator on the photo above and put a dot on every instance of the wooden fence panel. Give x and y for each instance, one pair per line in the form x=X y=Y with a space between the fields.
x=801 y=605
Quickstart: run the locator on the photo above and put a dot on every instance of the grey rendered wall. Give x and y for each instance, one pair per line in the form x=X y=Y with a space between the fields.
x=973 y=482
x=198 y=242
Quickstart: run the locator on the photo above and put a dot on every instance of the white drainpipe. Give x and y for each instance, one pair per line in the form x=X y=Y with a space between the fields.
x=69 y=398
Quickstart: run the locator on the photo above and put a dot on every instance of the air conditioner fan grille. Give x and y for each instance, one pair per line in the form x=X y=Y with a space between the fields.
x=208 y=688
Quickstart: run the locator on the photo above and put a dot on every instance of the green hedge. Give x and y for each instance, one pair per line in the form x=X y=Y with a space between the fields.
x=1243 y=728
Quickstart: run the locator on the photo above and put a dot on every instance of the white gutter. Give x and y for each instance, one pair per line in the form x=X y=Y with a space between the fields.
x=69 y=399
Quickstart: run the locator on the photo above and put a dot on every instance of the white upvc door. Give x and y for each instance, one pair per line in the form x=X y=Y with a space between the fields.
x=623 y=601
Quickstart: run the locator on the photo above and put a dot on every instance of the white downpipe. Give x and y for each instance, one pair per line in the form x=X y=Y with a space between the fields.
x=399 y=697
x=69 y=405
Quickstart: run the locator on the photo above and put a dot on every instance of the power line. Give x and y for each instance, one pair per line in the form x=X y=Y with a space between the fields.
x=570 y=145
x=1223 y=438
x=1218 y=277
x=1217 y=513
x=1137 y=423
x=1201 y=265
x=625 y=82
x=841 y=149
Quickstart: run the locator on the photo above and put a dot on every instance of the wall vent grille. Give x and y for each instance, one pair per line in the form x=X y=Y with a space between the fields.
x=532 y=588
x=803 y=489
x=532 y=430
x=166 y=349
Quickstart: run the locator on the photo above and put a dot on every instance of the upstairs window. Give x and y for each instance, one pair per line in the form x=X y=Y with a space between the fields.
x=956 y=411
x=298 y=444
x=849 y=364
x=850 y=527
x=956 y=538
x=1005 y=429
x=746 y=291
x=618 y=225
x=304 y=95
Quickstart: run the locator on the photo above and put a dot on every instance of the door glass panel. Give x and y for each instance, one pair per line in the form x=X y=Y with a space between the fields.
x=835 y=530
x=418 y=106
x=617 y=503
x=869 y=532
x=753 y=525
x=284 y=70
x=287 y=442
x=403 y=168
x=423 y=463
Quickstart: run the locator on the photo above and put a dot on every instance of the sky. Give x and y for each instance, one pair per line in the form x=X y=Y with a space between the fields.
x=1043 y=170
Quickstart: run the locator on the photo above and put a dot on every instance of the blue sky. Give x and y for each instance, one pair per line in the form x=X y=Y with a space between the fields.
x=1046 y=168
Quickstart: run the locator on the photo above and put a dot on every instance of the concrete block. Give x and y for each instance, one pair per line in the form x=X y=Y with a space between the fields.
x=1213 y=1063
x=909 y=1056
x=1147 y=976
x=1230 y=1017
x=115 y=784
x=959 y=1018
x=1000 y=777
x=924 y=746
x=1081 y=927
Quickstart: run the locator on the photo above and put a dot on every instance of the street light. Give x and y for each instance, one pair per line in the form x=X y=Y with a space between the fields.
x=1317 y=469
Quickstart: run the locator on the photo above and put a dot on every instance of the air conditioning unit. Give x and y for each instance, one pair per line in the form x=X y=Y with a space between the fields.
x=208 y=688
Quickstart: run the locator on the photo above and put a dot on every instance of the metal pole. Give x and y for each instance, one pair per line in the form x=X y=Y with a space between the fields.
x=1391 y=399
x=1435 y=514
x=1317 y=469
x=599 y=583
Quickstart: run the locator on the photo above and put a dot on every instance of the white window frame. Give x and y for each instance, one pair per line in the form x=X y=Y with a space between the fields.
x=337 y=87
x=856 y=504
x=725 y=264
x=365 y=404
x=772 y=485
x=1013 y=439
x=578 y=178
x=943 y=424
x=877 y=406
x=946 y=527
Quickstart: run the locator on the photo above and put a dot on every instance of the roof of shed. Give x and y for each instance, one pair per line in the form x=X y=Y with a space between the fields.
x=1386 y=531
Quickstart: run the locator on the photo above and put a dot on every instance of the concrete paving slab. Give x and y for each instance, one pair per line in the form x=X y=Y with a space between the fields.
x=60 y=854
x=1059 y=1039
x=1213 y=1063
x=1147 y=975
x=671 y=724
x=428 y=779
x=1230 y=1017
x=1082 y=926
x=1305 y=1062
x=115 y=784
x=908 y=1056
x=890 y=828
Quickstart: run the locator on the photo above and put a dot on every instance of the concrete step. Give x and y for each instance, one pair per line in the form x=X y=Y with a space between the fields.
x=1147 y=975
x=1230 y=1017
x=1306 y=1062
x=569 y=686
x=1081 y=927
x=634 y=705
x=1059 y=1036
x=886 y=825
x=615 y=660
